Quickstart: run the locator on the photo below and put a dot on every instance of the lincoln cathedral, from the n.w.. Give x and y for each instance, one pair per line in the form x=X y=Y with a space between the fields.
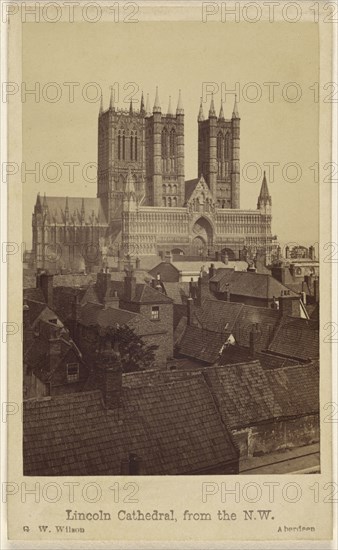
x=144 y=206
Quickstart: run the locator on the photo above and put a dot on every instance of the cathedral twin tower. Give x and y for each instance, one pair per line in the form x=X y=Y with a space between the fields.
x=150 y=145
x=144 y=206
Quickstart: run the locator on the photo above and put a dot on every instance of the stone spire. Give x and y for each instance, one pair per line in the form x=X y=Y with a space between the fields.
x=235 y=111
x=66 y=210
x=142 y=104
x=38 y=205
x=148 y=111
x=200 y=113
x=179 y=110
x=212 y=112
x=221 y=112
x=170 y=111
x=157 y=106
x=131 y=107
x=264 y=198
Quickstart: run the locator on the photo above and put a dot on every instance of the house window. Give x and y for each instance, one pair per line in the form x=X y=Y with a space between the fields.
x=155 y=313
x=72 y=372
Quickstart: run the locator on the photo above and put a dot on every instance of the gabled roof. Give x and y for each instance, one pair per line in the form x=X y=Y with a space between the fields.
x=251 y=284
x=190 y=187
x=146 y=294
x=296 y=337
x=177 y=291
x=201 y=344
x=218 y=316
x=177 y=430
x=96 y=314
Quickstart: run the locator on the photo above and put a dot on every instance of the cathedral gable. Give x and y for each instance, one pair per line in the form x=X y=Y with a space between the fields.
x=201 y=199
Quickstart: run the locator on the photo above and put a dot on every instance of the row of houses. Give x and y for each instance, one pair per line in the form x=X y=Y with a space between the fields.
x=228 y=380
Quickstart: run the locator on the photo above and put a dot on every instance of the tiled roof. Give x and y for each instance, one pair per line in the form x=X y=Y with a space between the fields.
x=243 y=393
x=95 y=314
x=174 y=428
x=178 y=291
x=167 y=270
x=218 y=316
x=146 y=294
x=35 y=294
x=93 y=210
x=267 y=319
x=297 y=338
x=251 y=284
x=201 y=344
x=296 y=389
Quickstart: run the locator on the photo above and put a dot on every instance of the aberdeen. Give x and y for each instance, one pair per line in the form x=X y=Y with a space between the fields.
x=95 y=516
x=137 y=515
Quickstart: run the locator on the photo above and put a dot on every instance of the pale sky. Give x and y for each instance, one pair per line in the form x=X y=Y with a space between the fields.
x=178 y=55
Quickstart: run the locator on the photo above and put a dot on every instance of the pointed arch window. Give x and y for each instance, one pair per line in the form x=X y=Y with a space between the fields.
x=219 y=146
x=172 y=143
x=164 y=143
x=227 y=147
x=119 y=146
x=135 y=145
x=131 y=145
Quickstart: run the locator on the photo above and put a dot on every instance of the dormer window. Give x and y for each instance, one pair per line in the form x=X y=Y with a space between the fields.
x=73 y=372
x=155 y=313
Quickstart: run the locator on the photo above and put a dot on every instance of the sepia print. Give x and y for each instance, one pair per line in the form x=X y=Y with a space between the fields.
x=172 y=261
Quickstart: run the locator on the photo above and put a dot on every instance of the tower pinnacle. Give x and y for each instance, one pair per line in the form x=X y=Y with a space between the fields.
x=101 y=105
x=212 y=112
x=148 y=111
x=179 y=110
x=264 y=198
x=221 y=112
x=142 y=103
x=170 y=111
x=157 y=106
x=200 y=113
x=235 y=113
x=111 y=102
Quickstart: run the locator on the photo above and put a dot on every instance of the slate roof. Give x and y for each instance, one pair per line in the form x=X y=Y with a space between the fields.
x=146 y=294
x=177 y=291
x=218 y=316
x=251 y=284
x=95 y=314
x=201 y=344
x=297 y=338
x=243 y=394
x=267 y=319
x=174 y=428
x=238 y=354
x=93 y=210
x=296 y=389
x=35 y=294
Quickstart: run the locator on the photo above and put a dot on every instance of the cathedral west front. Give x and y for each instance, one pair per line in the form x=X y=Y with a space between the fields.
x=144 y=205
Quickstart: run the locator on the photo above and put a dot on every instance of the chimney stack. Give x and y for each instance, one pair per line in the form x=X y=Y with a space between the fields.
x=132 y=466
x=227 y=293
x=44 y=280
x=190 y=310
x=54 y=347
x=203 y=288
x=137 y=263
x=211 y=271
x=316 y=290
x=289 y=305
x=129 y=286
x=168 y=258
x=103 y=281
x=109 y=375
x=312 y=253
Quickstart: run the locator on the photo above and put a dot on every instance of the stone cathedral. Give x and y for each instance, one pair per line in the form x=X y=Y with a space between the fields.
x=144 y=206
